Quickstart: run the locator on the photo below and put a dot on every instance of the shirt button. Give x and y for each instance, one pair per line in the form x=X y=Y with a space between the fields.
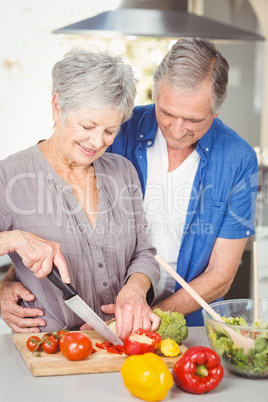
x=100 y=265
x=141 y=135
x=105 y=283
x=95 y=248
x=149 y=142
x=140 y=157
x=207 y=149
x=248 y=233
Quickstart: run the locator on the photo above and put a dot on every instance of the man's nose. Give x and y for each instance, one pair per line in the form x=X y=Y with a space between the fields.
x=179 y=128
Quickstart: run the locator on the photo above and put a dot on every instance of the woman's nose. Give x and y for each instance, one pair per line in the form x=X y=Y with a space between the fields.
x=97 y=139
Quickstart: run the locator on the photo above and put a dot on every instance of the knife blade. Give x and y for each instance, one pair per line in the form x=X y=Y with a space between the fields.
x=75 y=303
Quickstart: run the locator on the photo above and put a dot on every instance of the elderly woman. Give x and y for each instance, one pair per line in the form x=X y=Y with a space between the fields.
x=65 y=201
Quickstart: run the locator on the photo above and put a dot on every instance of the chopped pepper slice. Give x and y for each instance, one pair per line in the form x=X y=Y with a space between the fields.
x=141 y=342
x=104 y=345
x=147 y=376
x=198 y=370
x=110 y=347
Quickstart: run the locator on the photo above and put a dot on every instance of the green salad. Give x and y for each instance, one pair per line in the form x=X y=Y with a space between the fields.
x=256 y=361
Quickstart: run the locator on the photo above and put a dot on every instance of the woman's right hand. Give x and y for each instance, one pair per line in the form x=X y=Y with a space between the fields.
x=39 y=255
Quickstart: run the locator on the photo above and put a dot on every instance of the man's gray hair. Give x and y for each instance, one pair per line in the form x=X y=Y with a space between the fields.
x=96 y=80
x=188 y=64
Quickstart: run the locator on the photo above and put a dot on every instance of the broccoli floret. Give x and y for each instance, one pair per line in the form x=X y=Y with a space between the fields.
x=172 y=325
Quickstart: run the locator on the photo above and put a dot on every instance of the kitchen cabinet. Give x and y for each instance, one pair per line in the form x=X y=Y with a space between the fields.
x=262 y=242
x=240 y=288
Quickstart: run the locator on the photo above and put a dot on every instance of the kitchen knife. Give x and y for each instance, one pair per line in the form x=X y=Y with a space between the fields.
x=75 y=303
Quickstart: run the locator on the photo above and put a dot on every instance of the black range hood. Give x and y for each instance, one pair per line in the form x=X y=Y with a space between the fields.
x=156 y=18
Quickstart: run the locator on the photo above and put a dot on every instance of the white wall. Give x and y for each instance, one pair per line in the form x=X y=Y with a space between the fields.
x=28 y=52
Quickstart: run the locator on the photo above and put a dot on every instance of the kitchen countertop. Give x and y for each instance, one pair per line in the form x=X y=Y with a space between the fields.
x=18 y=384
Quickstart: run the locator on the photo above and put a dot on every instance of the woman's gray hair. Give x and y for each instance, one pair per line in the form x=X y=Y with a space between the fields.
x=190 y=62
x=96 y=80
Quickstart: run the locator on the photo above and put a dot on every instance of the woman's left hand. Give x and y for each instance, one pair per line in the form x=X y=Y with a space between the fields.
x=132 y=311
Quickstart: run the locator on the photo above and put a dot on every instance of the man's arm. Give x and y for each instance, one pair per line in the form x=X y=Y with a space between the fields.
x=19 y=319
x=214 y=282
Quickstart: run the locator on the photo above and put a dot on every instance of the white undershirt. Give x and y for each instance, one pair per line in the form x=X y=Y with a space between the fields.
x=165 y=203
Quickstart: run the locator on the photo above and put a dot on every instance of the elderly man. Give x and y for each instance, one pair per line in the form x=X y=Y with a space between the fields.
x=199 y=180
x=198 y=176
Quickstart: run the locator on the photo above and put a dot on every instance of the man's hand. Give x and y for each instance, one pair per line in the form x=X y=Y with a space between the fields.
x=18 y=318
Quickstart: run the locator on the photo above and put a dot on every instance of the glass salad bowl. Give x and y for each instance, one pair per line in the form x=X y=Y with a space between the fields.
x=238 y=314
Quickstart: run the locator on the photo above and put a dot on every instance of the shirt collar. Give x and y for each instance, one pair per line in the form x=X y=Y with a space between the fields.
x=205 y=143
x=148 y=126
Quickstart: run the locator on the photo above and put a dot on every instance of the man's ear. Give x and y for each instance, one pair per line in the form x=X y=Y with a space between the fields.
x=56 y=108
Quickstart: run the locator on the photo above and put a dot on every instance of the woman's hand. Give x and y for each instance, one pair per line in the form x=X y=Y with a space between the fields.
x=39 y=255
x=131 y=309
x=132 y=312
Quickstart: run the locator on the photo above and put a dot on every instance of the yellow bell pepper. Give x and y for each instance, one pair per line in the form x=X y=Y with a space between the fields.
x=169 y=348
x=147 y=376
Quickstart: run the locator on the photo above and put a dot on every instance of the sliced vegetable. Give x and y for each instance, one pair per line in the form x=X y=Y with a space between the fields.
x=147 y=377
x=198 y=370
x=104 y=345
x=141 y=342
x=169 y=348
x=112 y=325
x=110 y=347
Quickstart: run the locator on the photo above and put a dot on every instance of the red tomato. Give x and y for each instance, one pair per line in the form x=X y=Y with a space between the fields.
x=76 y=346
x=61 y=334
x=32 y=343
x=50 y=334
x=50 y=343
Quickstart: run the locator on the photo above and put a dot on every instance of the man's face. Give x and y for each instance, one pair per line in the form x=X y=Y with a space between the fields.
x=184 y=117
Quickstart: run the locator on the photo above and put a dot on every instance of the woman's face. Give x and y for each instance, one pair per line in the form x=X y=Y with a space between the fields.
x=86 y=134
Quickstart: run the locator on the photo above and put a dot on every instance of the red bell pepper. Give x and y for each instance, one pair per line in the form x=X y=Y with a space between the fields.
x=145 y=342
x=198 y=370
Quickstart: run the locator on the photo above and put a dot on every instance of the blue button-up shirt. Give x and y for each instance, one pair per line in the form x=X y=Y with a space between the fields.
x=223 y=196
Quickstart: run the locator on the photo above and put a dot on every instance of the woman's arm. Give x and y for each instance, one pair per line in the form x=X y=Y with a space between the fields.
x=37 y=254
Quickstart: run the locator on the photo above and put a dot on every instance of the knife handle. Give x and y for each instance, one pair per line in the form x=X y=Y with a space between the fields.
x=68 y=290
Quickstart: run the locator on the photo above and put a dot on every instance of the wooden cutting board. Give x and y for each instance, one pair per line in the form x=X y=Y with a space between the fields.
x=57 y=364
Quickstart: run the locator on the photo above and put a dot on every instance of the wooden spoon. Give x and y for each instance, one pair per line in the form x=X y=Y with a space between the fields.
x=239 y=340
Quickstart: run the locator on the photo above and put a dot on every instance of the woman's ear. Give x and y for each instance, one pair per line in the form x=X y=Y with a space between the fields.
x=56 y=108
